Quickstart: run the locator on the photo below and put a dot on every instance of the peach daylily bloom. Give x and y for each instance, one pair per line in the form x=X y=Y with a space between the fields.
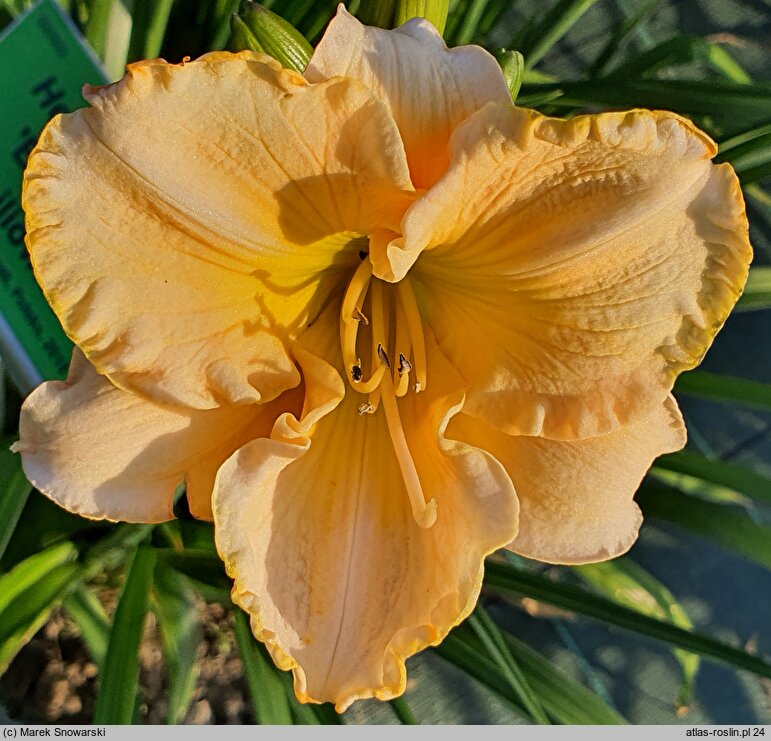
x=392 y=321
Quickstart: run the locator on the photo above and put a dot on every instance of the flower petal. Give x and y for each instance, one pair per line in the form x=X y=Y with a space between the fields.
x=104 y=453
x=316 y=527
x=429 y=88
x=576 y=497
x=571 y=269
x=188 y=223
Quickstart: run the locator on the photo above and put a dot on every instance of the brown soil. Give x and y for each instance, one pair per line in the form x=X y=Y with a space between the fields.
x=53 y=679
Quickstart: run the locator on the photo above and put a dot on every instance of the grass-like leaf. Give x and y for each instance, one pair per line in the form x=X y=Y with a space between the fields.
x=29 y=592
x=97 y=25
x=757 y=291
x=623 y=581
x=403 y=711
x=490 y=637
x=467 y=30
x=624 y=29
x=730 y=475
x=729 y=526
x=174 y=603
x=266 y=688
x=725 y=389
x=506 y=579
x=566 y=701
x=148 y=28
x=14 y=492
x=547 y=29
x=119 y=681
x=29 y=572
x=88 y=614
x=746 y=102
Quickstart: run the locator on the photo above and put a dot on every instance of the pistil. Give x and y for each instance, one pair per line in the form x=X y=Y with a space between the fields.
x=387 y=305
x=423 y=512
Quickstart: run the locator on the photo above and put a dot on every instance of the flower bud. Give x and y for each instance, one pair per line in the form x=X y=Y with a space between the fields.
x=513 y=66
x=241 y=38
x=260 y=30
x=378 y=13
x=432 y=10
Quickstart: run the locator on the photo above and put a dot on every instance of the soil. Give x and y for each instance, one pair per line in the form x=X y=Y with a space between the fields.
x=54 y=680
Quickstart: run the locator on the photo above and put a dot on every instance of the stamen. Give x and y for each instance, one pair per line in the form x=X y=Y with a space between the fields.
x=402 y=344
x=403 y=377
x=383 y=357
x=365 y=408
x=365 y=387
x=359 y=317
x=415 y=325
x=356 y=290
x=423 y=512
x=349 y=326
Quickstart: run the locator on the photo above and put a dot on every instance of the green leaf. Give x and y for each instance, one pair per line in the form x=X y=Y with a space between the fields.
x=175 y=605
x=469 y=24
x=729 y=475
x=630 y=585
x=564 y=699
x=620 y=34
x=28 y=610
x=720 y=59
x=543 y=34
x=120 y=678
x=14 y=491
x=492 y=640
x=200 y=565
x=726 y=389
x=684 y=96
x=96 y=27
x=675 y=51
x=506 y=579
x=30 y=571
x=747 y=152
x=266 y=689
x=148 y=28
x=403 y=713
x=729 y=526
x=88 y=614
x=679 y=50
x=757 y=292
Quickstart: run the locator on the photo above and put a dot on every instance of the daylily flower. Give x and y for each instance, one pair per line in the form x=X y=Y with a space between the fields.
x=391 y=321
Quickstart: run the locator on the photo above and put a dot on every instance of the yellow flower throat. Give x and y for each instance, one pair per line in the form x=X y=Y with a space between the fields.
x=394 y=363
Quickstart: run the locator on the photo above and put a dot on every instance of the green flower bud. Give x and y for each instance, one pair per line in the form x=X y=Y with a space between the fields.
x=241 y=38
x=378 y=13
x=432 y=10
x=513 y=66
x=260 y=30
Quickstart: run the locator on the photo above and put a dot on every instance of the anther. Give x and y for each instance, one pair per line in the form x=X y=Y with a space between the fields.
x=359 y=317
x=383 y=357
x=363 y=254
x=356 y=373
x=365 y=408
x=404 y=365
